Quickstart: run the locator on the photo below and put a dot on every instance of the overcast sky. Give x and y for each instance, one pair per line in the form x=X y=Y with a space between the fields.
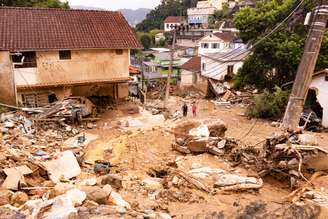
x=116 y=4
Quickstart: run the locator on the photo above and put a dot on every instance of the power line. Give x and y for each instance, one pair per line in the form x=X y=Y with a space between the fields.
x=266 y=36
x=231 y=53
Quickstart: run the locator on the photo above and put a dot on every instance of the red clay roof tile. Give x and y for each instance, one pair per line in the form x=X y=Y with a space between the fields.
x=174 y=19
x=193 y=65
x=45 y=29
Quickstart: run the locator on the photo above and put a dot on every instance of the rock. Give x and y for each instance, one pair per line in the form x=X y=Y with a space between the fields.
x=9 y=125
x=5 y=196
x=164 y=216
x=113 y=180
x=90 y=204
x=117 y=199
x=175 y=180
x=230 y=180
x=88 y=182
x=77 y=196
x=95 y=193
x=201 y=131
x=217 y=128
x=152 y=184
x=19 y=198
x=307 y=139
x=180 y=141
x=24 y=141
x=222 y=144
x=62 y=188
x=62 y=208
x=6 y=213
x=196 y=166
x=107 y=189
x=4 y=130
x=275 y=124
x=90 y=125
x=198 y=145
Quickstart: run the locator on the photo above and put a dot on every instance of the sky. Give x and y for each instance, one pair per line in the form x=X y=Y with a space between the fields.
x=116 y=4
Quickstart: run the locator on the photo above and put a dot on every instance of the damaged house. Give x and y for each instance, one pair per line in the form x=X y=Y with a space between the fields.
x=50 y=54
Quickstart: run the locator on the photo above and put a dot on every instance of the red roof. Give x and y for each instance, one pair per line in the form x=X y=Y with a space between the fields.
x=193 y=65
x=44 y=29
x=174 y=19
x=225 y=36
x=133 y=70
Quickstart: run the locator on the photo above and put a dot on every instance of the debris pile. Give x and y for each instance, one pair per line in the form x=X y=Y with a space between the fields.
x=197 y=137
x=225 y=95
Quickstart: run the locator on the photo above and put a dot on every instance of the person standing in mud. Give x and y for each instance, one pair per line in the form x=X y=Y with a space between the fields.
x=194 y=109
x=185 y=110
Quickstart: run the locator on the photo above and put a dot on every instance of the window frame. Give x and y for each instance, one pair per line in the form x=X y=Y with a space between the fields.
x=119 y=51
x=215 y=45
x=65 y=55
x=204 y=66
x=205 y=45
x=230 y=69
x=30 y=60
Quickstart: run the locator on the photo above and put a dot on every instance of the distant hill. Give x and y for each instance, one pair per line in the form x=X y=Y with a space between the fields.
x=134 y=17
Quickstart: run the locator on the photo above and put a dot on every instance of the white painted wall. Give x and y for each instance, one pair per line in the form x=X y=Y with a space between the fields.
x=218 y=70
x=25 y=76
x=167 y=26
x=321 y=85
x=186 y=78
x=216 y=45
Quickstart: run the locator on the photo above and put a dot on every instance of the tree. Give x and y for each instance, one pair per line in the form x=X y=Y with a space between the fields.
x=152 y=35
x=275 y=60
x=155 y=18
x=35 y=3
x=146 y=41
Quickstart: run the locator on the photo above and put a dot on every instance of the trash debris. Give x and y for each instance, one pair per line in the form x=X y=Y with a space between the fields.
x=14 y=176
x=63 y=167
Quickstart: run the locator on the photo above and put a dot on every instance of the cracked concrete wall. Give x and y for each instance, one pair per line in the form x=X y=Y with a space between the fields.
x=320 y=84
x=7 y=88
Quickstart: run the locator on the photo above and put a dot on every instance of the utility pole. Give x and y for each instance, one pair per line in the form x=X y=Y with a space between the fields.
x=306 y=67
x=168 y=83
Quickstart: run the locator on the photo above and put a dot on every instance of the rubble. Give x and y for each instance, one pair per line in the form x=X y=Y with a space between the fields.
x=49 y=176
x=63 y=167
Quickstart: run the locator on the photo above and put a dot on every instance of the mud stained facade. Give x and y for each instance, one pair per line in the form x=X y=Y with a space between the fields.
x=7 y=88
x=97 y=72
x=54 y=53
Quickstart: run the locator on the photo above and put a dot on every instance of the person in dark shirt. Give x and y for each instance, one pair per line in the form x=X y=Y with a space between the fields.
x=185 y=109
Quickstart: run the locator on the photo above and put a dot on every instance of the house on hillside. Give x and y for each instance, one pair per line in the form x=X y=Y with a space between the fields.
x=224 y=65
x=191 y=75
x=171 y=22
x=219 y=42
x=61 y=52
x=201 y=13
x=158 y=67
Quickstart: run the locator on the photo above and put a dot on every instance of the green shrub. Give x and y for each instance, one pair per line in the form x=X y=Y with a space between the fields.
x=268 y=104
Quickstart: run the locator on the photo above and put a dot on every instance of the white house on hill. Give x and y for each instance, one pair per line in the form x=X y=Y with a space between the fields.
x=219 y=42
x=172 y=21
x=219 y=65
